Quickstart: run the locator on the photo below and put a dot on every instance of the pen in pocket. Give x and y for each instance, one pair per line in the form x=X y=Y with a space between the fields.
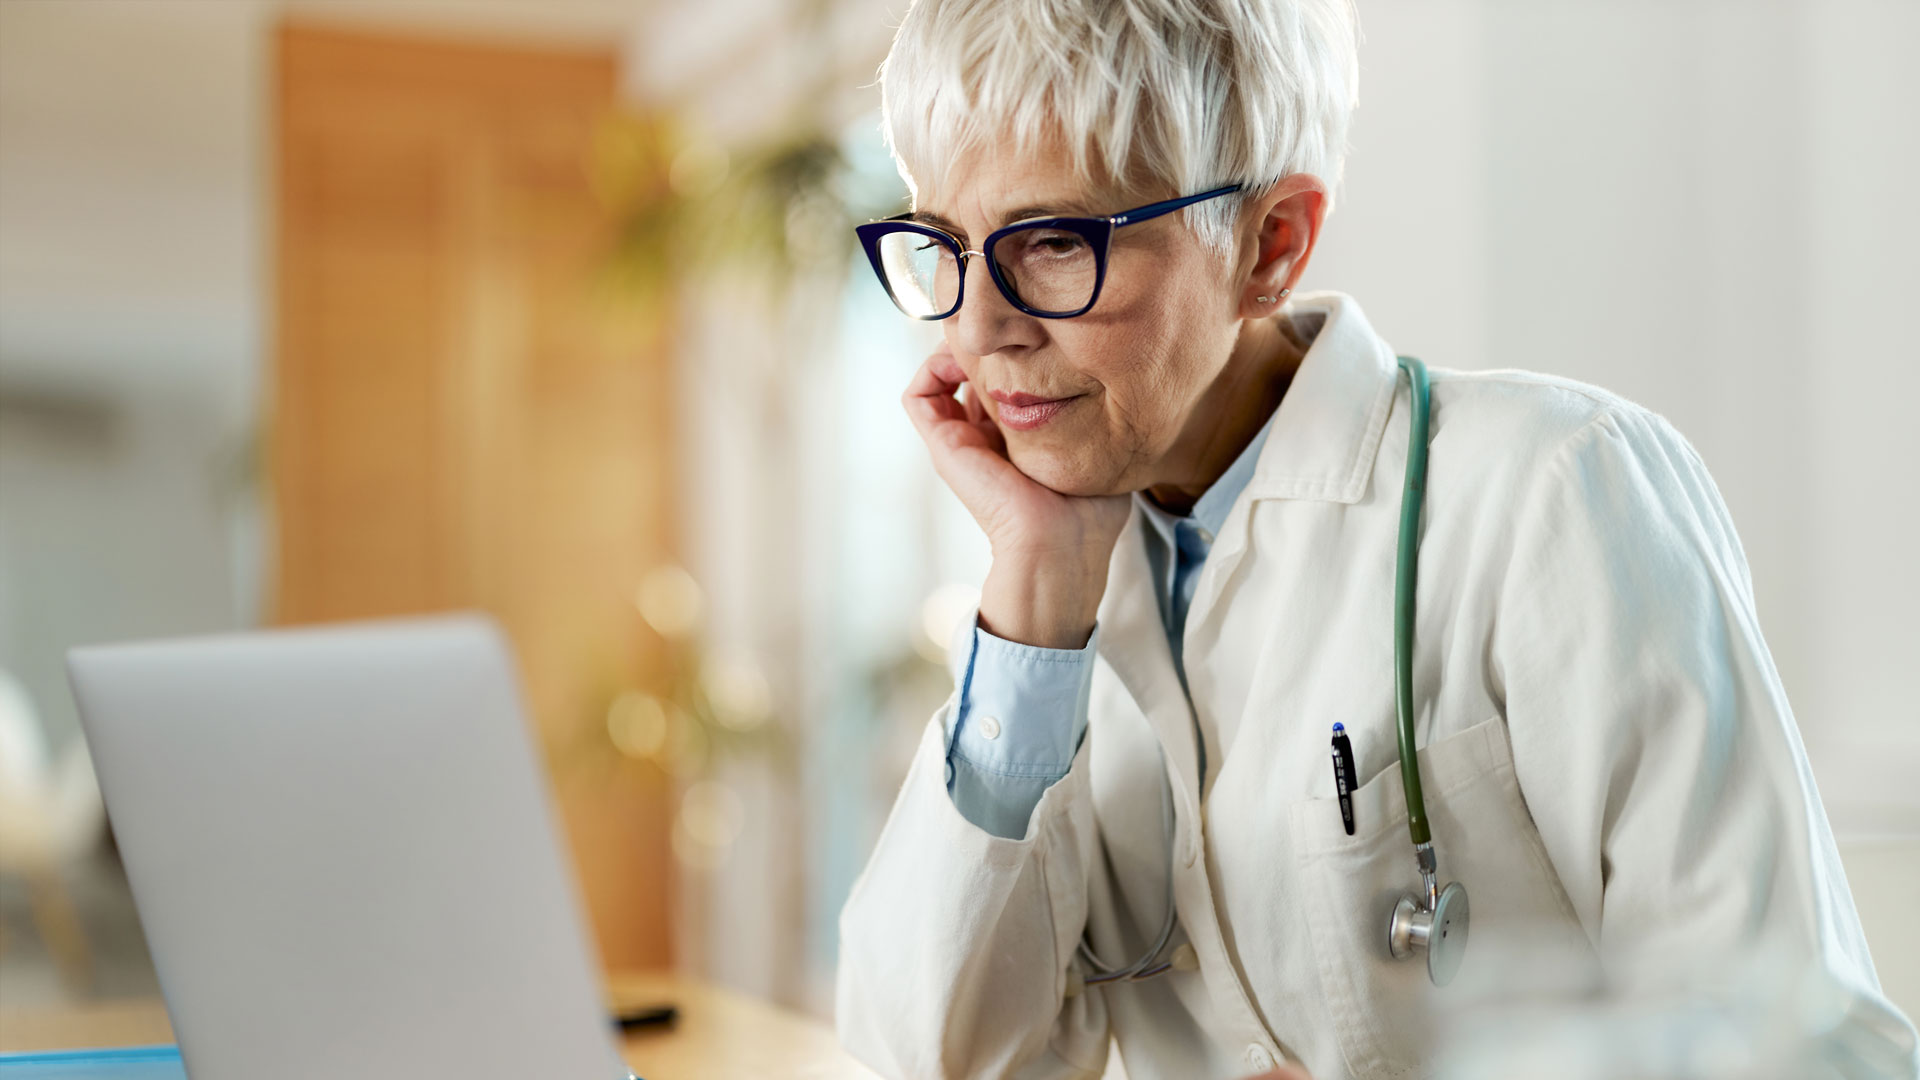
x=1343 y=778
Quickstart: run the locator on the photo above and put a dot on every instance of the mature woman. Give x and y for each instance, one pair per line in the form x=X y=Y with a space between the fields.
x=1126 y=824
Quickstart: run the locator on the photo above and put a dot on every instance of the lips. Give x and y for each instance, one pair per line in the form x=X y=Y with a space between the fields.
x=1025 y=412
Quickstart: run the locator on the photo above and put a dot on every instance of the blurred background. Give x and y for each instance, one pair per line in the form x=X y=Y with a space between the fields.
x=321 y=309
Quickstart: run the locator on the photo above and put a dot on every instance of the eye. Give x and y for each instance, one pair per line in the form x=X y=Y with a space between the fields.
x=942 y=254
x=1054 y=243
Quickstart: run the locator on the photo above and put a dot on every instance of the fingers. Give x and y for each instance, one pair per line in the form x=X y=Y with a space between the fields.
x=980 y=415
x=939 y=374
x=929 y=397
x=968 y=452
x=945 y=366
x=942 y=375
x=940 y=392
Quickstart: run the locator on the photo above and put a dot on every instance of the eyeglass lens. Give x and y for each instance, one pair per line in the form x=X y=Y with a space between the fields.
x=920 y=272
x=1048 y=269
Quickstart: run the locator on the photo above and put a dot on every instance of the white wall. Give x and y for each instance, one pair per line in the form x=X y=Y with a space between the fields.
x=129 y=198
x=130 y=322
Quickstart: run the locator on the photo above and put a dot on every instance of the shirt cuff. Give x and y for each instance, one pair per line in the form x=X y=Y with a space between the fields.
x=1022 y=709
x=1021 y=714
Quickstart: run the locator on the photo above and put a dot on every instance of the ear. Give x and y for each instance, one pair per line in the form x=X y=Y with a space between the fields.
x=1278 y=233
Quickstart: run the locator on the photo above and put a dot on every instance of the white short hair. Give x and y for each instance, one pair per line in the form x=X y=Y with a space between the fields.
x=1183 y=95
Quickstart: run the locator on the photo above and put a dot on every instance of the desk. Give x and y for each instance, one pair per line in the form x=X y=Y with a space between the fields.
x=720 y=1035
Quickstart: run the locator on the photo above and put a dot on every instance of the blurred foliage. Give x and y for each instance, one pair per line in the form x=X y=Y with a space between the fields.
x=766 y=216
x=703 y=709
x=688 y=205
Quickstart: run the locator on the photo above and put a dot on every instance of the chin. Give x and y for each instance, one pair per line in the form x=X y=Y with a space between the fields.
x=1060 y=473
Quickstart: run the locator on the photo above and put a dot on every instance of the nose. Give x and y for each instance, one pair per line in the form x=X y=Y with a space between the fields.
x=986 y=323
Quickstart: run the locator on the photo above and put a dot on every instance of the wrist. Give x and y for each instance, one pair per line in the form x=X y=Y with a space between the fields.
x=1046 y=605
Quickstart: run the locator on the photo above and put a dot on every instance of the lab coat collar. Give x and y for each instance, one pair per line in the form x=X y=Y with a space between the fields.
x=1330 y=421
x=1133 y=641
x=1320 y=444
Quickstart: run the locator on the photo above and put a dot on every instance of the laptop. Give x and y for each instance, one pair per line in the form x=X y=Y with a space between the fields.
x=342 y=848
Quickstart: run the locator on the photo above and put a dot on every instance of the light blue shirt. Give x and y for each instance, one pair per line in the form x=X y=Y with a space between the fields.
x=1023 y=710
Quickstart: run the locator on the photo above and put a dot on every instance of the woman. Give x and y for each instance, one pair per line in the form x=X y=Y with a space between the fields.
x=1191 y=480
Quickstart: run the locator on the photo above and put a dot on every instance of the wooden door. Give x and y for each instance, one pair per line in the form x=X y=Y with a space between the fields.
x=463 y=417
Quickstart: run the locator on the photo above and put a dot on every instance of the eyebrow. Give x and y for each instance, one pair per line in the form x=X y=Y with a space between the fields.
x=928 y=217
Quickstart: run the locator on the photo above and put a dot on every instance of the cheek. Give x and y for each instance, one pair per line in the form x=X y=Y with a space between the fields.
x=1145 y=360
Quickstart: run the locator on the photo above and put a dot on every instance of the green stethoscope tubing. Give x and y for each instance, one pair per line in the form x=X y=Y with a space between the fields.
x=1435 y=920
x=1405 y=579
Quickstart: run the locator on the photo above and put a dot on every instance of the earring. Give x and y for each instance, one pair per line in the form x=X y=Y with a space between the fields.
x=1263 y=299
x=1284 y=293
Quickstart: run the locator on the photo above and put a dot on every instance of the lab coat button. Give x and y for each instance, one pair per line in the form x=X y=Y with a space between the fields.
x=1258 y=1058
x=989 y=727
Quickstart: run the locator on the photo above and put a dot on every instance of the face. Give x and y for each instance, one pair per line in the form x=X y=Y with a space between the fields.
x=1093 y=404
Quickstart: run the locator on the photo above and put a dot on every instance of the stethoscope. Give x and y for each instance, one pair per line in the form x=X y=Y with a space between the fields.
x=1433 y=920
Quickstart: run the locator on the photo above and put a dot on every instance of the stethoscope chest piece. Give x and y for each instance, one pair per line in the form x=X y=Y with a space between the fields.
x=1442 y=932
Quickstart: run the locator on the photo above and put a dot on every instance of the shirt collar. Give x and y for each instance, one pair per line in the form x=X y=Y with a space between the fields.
x=1211 y=509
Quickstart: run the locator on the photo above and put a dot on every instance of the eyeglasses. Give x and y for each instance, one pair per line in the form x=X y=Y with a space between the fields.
x=1051 y=268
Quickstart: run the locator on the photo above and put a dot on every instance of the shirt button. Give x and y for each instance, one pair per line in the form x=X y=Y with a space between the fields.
x=1206 y=537
x=1258 y=1058
x=989 y=727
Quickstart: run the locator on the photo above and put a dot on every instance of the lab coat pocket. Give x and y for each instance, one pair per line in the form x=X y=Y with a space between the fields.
x=1485 y=839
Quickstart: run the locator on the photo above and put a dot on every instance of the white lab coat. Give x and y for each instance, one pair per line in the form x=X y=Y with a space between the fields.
x=1611 y=766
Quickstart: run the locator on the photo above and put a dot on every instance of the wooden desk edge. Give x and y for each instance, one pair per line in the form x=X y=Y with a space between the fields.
x=720 y=1035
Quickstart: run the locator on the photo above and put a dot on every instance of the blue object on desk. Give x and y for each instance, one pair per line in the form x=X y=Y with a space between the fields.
x=123 y=1063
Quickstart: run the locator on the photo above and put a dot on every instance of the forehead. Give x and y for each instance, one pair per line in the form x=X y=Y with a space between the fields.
x=999 y=183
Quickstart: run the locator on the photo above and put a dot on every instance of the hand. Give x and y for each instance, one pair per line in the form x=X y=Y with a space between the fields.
x=1050 y=551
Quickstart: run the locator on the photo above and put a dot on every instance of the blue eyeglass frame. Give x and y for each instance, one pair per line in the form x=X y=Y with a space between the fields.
x=1097 y=231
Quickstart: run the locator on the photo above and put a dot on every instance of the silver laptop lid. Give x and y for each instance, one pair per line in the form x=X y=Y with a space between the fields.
x=342 y=849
